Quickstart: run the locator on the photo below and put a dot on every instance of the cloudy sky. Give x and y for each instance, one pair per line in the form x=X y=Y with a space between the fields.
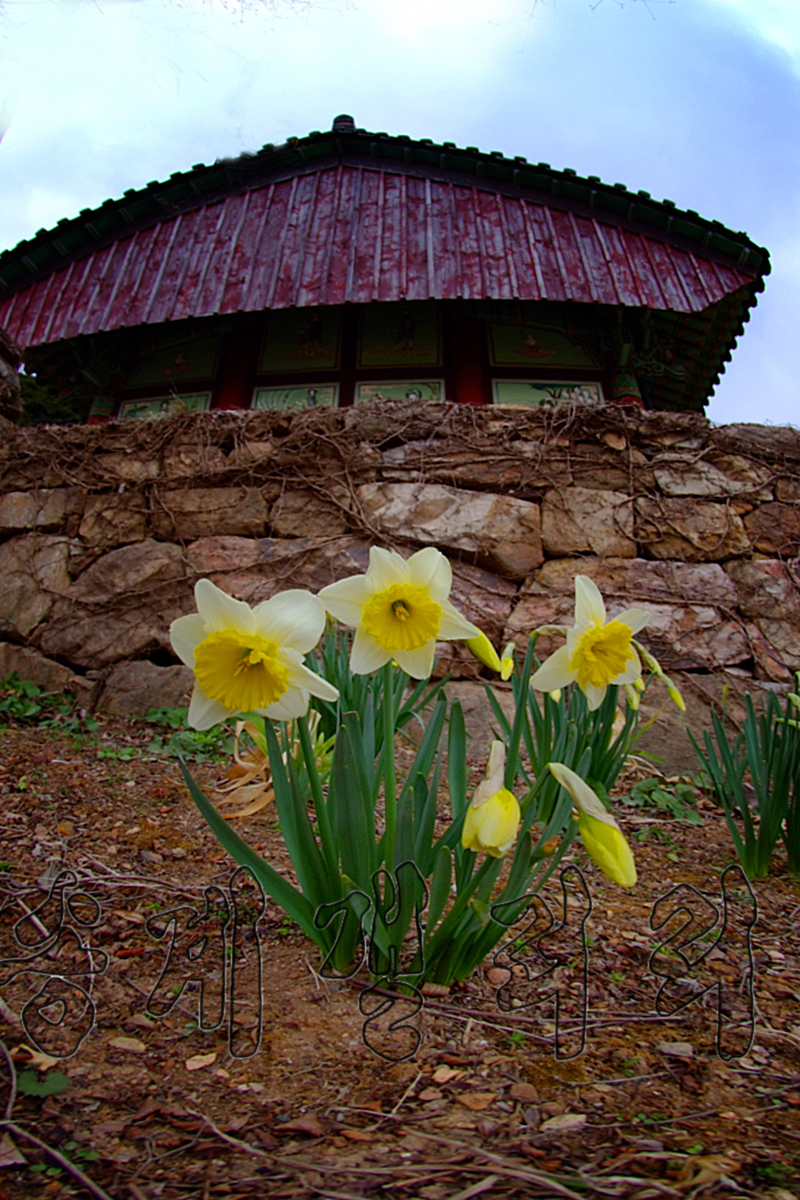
x=697 y=101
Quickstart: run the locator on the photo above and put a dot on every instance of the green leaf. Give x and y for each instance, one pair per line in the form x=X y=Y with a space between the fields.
x=296 y=828
x=293 y=903
x=350 y=808
x=439 y=886
x=53 y=1084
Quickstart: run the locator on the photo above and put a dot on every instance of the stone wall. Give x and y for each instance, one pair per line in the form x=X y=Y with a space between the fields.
x=105 y=529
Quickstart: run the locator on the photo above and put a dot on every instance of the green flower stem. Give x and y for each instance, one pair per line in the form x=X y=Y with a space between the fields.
x=323 y=821
x=389 y=778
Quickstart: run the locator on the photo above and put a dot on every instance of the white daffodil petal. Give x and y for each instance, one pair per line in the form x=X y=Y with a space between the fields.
x=386 y=567
x=367 y=656
x=454 y=625
x=586 y=799
x=589 y=605
x=205 y=712
x=292 y=704
x=308 y=681
x=636 y=618
x=594 y=695
x=294 y=619
x=417 y=663
x=429 y=568
x=554 y=672
x=345 y=599
x=185 y=634
x=221 y=611
x=632 y=672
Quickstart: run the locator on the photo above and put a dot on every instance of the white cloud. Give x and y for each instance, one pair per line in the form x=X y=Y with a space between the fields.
x=776 y=21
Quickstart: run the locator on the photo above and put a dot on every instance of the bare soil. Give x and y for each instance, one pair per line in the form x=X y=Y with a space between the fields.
x=156 y=1108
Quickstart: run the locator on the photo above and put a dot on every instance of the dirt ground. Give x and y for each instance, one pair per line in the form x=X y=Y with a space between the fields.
x=155 y=1108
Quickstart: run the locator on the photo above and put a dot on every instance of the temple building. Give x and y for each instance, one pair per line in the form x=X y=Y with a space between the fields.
x=348 y=266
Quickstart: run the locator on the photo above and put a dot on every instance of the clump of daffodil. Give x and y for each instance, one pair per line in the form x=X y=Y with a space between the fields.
x=250 y=659
x=601 y=835
x=399 y=610
x=598 y=652
x=493 y=817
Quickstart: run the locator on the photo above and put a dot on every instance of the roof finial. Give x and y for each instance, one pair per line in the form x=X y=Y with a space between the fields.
x=343 y=124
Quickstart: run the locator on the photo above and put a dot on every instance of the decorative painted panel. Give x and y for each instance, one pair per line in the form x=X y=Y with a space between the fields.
x=315 y=395
x=540 y=393
x=301 y=339
x=399 y=335
x=159 y=406
x=422 y=390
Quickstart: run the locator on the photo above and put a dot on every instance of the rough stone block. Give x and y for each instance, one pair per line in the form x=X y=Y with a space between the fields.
x=769 y=597
x=113 y=520
x=499 y=530
x=689 y=530
x=129 y=572
x=222 y=554
x=626 y=582
x=33 y=571
x=588 y=521
x=186 y=514
x=767 y=588
x=621 y=469
x=717 y=475
x=300 y=513
x=185 y=460
x=518 y=468
x=122 y=467
x=42 y=508
x=775 y=529
x=787 y=489
x=94 y=637
x=131 y=689
x=50 y=676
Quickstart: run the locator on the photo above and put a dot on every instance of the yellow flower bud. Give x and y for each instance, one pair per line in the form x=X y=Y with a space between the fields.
x=494 y=815
x=507 y=662
x=606 y=846
x=674 y=695
x=484 y=651
x=604 y=840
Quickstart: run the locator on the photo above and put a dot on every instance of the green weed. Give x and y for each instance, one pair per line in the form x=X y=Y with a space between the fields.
x=210 y=745
x=675 y=800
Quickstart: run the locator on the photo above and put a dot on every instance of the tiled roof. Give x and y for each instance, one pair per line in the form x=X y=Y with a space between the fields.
x=357 y=234
x=352 y=216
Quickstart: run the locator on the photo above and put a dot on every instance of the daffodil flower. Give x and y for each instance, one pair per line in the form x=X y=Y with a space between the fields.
x=399 y=610
x=601 y=835
x=485 y=652
x=598 y=652
x=493 y=817
x=250 y=659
